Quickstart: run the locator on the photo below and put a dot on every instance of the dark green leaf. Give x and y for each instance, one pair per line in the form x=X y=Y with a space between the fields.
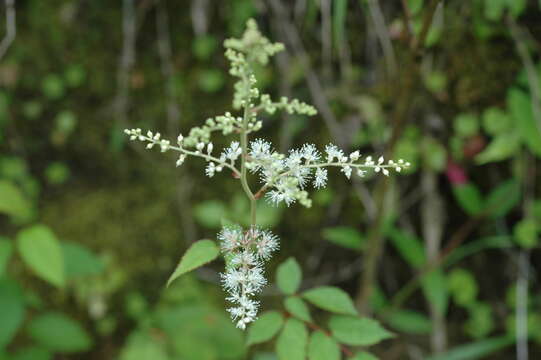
x=292 y=342
x=409 y=321
x=264 y=328
x=357 y=331
x=41 y=251
x=80 y=261
x=409 y=246
x=199 y=254
x=32 y=353
x=331 y=299
x=476 y=350
x=289 y=276
x=11 y=311
x=297 y=307
x=435 y=290
x=345 y=236
x=503 y=198
x=5 y=253
x=469 y=198
x=323 y=347
x=520 y=107
x=58 y=332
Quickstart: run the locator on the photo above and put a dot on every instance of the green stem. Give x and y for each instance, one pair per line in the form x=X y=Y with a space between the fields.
x=244 y=157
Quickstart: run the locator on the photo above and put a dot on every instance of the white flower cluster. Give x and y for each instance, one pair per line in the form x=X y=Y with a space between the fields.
x=285 y=177
x=246 y=252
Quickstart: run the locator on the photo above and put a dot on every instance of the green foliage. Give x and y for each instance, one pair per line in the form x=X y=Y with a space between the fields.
x=41 y=252
x=265 y=328
x=79 y=261
x=323 y=347
x=12 y=311
x=292 y=341
x=58 y=332
x=503 y=198
x=409 y=321
x=344 y=236
x=331 y=299
x=526 y=233
x=199 y=254
x=298 y=308
x=6 y=249
x=289 y=276
x=469 y=198
x=475 y=350
x=357 y=331
x=13 y=202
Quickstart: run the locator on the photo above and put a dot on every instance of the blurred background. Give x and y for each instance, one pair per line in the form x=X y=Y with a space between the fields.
x=446 y=255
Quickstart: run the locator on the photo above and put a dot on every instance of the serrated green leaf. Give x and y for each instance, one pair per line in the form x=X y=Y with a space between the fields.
x=5 y=253
x=265 y=327
x=357 y=331
x=298 y=308
x=475 y=350
x=41 y=252
x=332 y=299
x=289 y=276
x=11 y=311
x=409 y=321
x=503 y=198
x=520 y=108
x=291 y=344
x=469 y=198
x=323 y=347
x=199 y=254
x=60 y=333
x=345 y=236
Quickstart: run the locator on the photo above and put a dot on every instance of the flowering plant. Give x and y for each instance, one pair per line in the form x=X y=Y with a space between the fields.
x=284 y=178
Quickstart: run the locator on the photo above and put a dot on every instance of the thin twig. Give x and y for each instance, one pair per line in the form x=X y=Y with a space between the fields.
x=11 y=28
x=383 y=36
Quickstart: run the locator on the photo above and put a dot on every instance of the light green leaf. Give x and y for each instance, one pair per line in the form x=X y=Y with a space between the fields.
x=502 y=147
x=142 y=346
x=494 y=9
x=357 y=331
x=526 y=233
x=520 y=107
x=5 y=253
x=13 y=202
x=503 y=198
x=496 y=121
x=435 y=290
x=345 y=236
x=297 y=307
x=291 y=344
x=463 y=287
x=363 y=355
x=41 y=251
x=476 y=350
x=80 y=261
x=199 y=254
x=210 y=213
x=466 y=125
x=323 y=347
x=332 y=299
x=469 y=198
x=11 y=311
x=480 y=323
x=409 y=321
x=58 y=332
x=265 y=327
x=409 y=246
x=289 y=276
